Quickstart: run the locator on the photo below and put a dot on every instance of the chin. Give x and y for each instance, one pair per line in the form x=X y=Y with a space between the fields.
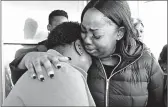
x=95 y=55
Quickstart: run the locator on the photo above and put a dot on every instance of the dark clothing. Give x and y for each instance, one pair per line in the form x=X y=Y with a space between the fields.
x=163 y=63
x=163 y=55
x=163 y=59
x=108 y=70
x=136 y=81
x=165 y=91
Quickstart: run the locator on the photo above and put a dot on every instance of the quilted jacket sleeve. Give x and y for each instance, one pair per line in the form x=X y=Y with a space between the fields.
x=155 y=86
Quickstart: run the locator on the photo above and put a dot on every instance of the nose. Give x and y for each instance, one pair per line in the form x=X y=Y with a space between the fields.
x=87 y=40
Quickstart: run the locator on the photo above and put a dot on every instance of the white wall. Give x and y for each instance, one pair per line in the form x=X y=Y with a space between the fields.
x=14 y=14
x=134 y=7
x=154 y=17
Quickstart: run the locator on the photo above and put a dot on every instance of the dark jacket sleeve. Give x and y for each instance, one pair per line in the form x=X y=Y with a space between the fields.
x=163 y=55
x=16 y=73
x=156 y=85
x=163 y=59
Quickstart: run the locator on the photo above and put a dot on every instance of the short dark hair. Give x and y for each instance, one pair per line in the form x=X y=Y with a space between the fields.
x=57 y=13
x=65 y=33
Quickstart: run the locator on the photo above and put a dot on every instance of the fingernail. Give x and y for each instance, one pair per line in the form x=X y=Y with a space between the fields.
x=51 y=74
x=41 y=78
x=58 y=66
x=34 y=76
x=69 y=58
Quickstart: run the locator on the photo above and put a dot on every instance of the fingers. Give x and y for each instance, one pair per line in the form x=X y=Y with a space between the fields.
x=64 y=59
x=35 y=61
x=38 y=69
x=57 y=56
x=58 y=66
x=54 y=60
x=48 y=66
x=31 y=71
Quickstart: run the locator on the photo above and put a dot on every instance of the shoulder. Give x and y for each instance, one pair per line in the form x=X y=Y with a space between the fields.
x=67 y=70
x=147 y=59
x=163 y=53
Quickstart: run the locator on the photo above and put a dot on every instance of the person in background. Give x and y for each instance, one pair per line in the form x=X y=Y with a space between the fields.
x=163 y=63
x=69 y=87
x=163 y=59
x=55 y=18
x=30 y=28
x=139 y=26
x=123 y=72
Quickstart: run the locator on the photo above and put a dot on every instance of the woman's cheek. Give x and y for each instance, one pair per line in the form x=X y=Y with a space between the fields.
x=100 y=45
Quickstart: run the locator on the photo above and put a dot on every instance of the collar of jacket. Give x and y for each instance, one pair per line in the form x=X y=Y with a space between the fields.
x=127 y=56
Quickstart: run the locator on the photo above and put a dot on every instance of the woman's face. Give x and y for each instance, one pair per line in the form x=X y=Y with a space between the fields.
x=99 y=36
x=140 y=31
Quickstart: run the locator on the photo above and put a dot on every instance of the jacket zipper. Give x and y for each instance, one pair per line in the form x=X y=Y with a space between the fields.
x=107 y=80
x=107 y=84
x=107 y=90
x=125 y=67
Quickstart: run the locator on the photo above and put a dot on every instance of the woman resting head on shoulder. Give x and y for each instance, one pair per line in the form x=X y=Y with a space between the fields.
x=123 y=72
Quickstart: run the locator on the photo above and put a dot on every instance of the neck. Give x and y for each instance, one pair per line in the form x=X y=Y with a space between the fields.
x=109 y=60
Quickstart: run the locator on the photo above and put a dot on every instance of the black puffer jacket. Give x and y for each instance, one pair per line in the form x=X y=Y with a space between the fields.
x=137 y=80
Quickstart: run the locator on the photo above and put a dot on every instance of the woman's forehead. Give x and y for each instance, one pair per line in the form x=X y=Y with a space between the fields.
x=93 y=18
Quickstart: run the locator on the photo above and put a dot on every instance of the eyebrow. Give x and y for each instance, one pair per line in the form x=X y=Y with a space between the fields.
x=91 y=29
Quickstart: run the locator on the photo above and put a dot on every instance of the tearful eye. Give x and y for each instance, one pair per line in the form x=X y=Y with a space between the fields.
x=96 y=37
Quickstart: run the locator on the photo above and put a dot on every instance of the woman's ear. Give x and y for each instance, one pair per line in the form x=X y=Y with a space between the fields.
x=121 y=32
x=78 y=47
